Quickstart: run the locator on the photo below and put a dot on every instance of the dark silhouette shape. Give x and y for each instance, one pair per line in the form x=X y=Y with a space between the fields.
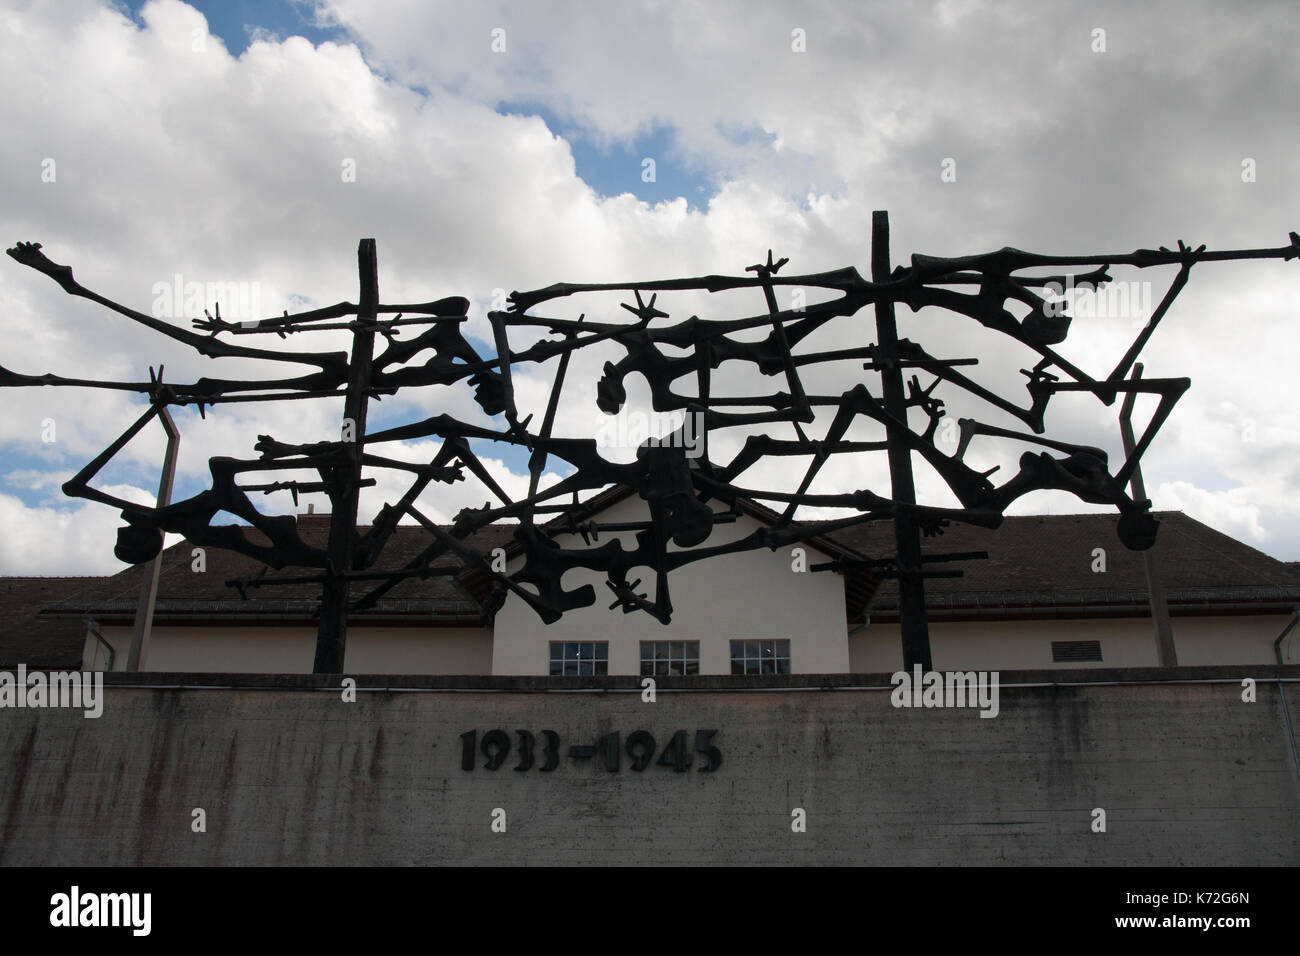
x=676 y=486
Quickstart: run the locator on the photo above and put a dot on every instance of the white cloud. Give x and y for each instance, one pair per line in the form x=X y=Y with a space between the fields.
x=1233 y=512
x=63 y=541
x=172 y=159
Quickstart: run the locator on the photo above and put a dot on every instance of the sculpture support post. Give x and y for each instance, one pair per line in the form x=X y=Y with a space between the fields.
x=331 y=635
x=911 y=586
x=1166 y=654
x=138 y=653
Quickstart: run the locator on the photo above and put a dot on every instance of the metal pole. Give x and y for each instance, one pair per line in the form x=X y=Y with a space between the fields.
x=911 y=586
x=1165 y=652
x=138 y=654
x=331 y=635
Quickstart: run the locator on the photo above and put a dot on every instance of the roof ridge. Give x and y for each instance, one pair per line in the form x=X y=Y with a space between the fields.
x=53 y=577
x=1230 y=540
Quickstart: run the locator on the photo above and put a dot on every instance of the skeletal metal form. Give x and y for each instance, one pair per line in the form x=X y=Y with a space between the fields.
x=676 y=487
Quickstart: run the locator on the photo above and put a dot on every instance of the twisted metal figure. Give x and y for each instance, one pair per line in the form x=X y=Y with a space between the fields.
x=677 y=487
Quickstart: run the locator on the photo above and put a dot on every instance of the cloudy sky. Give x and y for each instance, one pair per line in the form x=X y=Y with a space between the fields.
x=499 y=146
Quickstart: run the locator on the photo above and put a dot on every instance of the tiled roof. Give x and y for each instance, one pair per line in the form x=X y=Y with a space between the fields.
x=1045 y=562
x=187 y=595
x=26 y=636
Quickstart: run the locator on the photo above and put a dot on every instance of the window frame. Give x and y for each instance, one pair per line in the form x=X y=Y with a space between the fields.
x=688 y=658
x=598 y=659
x=759 y=654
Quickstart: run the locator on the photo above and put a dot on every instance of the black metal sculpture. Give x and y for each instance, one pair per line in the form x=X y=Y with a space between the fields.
x=676 y=487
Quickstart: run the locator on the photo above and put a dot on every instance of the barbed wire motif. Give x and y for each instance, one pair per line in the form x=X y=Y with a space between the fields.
x=678 y=480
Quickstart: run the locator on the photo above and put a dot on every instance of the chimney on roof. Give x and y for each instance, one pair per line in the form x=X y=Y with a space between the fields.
x=311 y=521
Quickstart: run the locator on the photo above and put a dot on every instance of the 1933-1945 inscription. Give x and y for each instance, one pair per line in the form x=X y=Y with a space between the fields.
x=607 y=751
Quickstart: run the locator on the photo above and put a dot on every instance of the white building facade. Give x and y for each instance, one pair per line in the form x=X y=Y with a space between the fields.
x=1034 y=604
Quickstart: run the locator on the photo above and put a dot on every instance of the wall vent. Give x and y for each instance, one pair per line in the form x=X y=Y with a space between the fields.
x=1076 y=651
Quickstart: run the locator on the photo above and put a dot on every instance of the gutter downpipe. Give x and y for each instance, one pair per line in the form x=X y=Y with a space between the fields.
x=1281 y=691
x=94 y=630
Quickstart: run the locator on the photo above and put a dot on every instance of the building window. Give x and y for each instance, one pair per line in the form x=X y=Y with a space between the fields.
x=760 y=657
x=1076 y=651
x=579 y=658
x=664 y=658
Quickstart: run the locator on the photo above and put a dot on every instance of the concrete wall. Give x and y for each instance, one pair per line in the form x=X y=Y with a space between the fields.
x=1125 y=642
x=291 y=650
x=752 y=595
x=288 y=773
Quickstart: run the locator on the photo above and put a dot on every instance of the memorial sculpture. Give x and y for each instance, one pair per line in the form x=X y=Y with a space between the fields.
x=408 y=346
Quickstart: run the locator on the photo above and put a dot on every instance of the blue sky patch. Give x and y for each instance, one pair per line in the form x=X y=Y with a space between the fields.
x=612 y=169
x=234 y=20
